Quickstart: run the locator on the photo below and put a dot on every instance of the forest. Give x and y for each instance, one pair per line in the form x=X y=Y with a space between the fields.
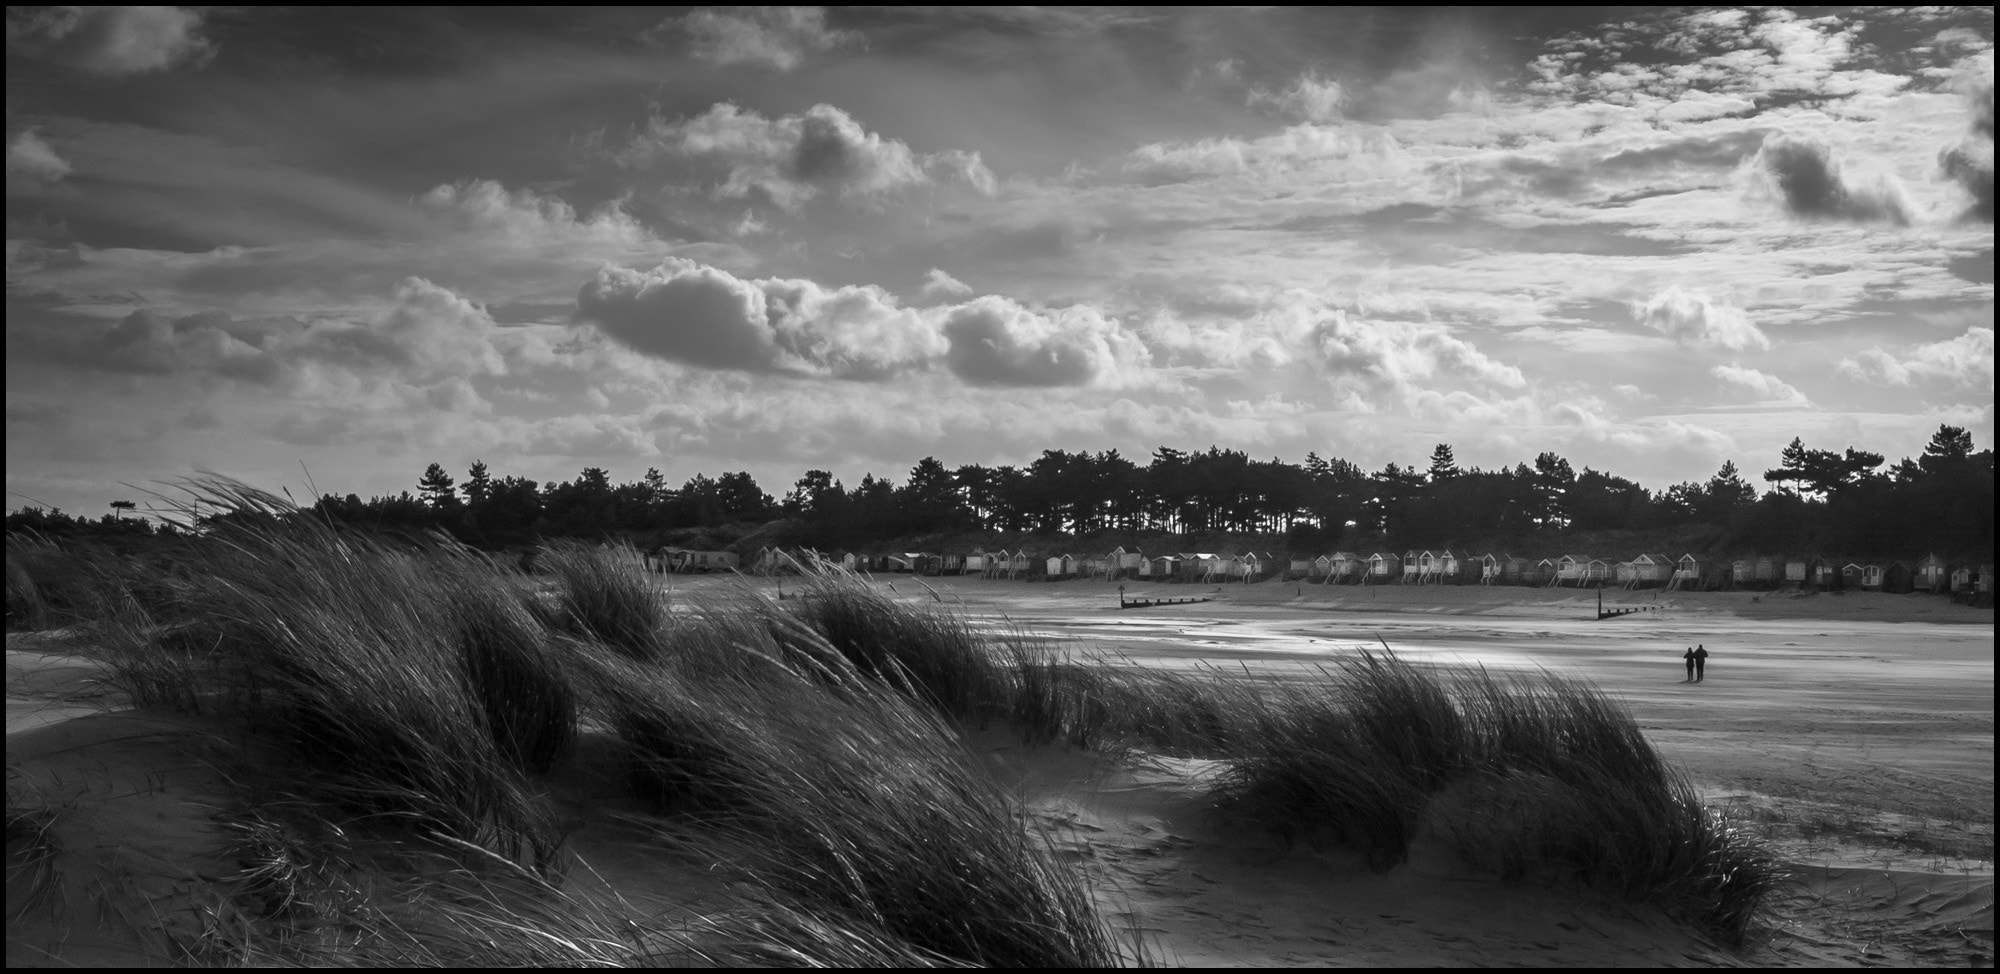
x=1850 y=502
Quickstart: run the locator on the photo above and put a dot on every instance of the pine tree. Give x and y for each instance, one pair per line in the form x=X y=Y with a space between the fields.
x=436 y=487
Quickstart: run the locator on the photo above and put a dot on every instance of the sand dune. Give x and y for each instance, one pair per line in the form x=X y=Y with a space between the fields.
x=1857 y=731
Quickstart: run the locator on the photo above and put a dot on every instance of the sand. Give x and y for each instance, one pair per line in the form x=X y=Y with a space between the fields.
x=1856 y=731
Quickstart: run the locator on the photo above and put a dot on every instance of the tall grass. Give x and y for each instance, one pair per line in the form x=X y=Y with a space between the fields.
x=810 y=748
x=827 y=787
x=1531 y=777
x=419 y=692
x=401 y=682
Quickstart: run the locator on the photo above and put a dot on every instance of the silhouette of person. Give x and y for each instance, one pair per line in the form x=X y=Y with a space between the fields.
x=1700 y=661
x=1688 y=657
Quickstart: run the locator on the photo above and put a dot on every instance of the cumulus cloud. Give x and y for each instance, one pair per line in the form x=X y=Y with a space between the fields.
x=938 y=284
x=688 y=312
x=1966 y=361
x=112 y=40
x=699 y=315
x=151 y=344
x=1396 y=356
x=1310 y=98
x=1805 y=175
x=995 y=341
x=1769 y=388
x=1693 y=318
x=794 y=158
x=31 y=159
x=778 y=38
x=427 y=333
x=422 y=345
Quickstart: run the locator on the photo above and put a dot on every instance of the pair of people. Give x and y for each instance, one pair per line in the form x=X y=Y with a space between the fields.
x=1697 y=660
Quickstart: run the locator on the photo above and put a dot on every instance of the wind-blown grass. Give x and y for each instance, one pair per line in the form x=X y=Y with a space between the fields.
x=828 y=788
x=1530 y=777
x=813 y=745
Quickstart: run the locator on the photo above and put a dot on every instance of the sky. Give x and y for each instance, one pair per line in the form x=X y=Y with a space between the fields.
x=323 y=248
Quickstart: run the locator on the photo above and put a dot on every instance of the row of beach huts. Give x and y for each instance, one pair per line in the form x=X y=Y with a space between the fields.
x=1441 y=567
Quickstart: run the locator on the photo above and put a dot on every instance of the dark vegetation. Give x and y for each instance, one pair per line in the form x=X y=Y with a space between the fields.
x=807 y=750
x=1834 y=502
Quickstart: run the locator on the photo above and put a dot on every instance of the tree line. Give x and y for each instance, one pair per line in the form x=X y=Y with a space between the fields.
x=1846 y=501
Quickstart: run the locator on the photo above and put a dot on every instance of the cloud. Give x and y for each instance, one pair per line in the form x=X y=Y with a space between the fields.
x=1360 y=153
x=699 y=315
x=1966 y=360
x=1769 y=388
x=1395 y=356
x=113 y=40
x=702 y=316
x=938 y=284
x=778 y=38
x=1692 y=318
x=33 y=160
x=1809 y=181
x=794 y=158
x=1970 y=162
x=1311 y=98
x=996 y=342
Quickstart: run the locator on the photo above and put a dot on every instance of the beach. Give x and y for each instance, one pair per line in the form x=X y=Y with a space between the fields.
x=1855 y=732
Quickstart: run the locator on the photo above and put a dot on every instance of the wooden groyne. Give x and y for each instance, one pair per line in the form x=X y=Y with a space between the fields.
x=1613 y=613
x=1125 y=603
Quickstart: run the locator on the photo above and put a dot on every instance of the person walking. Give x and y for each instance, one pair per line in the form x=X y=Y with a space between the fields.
x=1700 y=661
x=1688 y=658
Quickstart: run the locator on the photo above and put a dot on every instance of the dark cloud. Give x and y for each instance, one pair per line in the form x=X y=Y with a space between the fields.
x=778 y=38
x=1809 y=181
x=1970 y=162
x=110 y=40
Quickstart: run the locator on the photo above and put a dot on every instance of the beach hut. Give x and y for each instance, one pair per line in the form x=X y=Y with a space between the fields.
x=1652 y=569
x=1898 y=577
x=692 y=560
x=1931 y=574
x=1164 y=568
x=1382 y=567
x=1299 y=565
x=1055 y=566
x=1983 y=579
x=1204 y=566
x=1961 y=580
x=1852 y=575
x=1769 y=571
x=1871 y=578
x=1822 y=575
x=1126 y=561
x=1689 y=573
x=1487 y=568
x=1347 y=566
x=1596 y=572
x=1540 y=573
x=1625 y=574
x=1449 y=570
x=1743 y=573
x=1795 y=572
x=974 y=563
x=1412 y=566
x=1320 y=569
x=1570 y=569
x=1258 y=564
